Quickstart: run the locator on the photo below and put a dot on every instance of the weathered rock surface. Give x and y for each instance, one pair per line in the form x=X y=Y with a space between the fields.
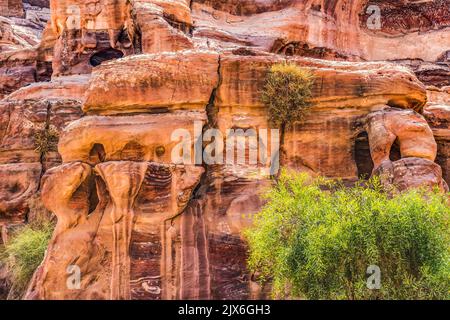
x=337 y=84
x=412 y=164
x=412 y=172
x=84 y=29
x=153 y=83
x=398 y=18
x=134 y=200
x=19 y=181
x=21 y=25
x=136 y=138
x=324 y=26
x=187 y=79
x=342 y=95
x=163 y=25
x=115 y=79
x=437 y=113
x=24 y=115
x=21 y=58
x=430 y=73
x=410 y=129
x=17 y=69
x=12 y=8
x=206 y=235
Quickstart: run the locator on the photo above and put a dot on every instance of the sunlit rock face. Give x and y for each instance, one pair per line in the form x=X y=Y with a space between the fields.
x=109 y=219
x=157 y=83
x=89 y=32
x=430 y=73
x=22 y=58
x=117 y=79
x=410 y=129
x=169 y=231
x=437 y=113
x=412 y=164
x=372 y=30
x=21 y=24
x=401 y=17
x=410 y=173
x=24 y=115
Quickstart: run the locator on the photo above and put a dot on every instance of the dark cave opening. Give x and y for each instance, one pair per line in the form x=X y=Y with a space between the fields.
x=97 y=154
x=105 y=55
x=362 y=156
x=395 y=153
x=93 y=196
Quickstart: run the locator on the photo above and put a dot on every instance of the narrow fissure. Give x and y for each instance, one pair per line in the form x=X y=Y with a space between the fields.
x=42 y=156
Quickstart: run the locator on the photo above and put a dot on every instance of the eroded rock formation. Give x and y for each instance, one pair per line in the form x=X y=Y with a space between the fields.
x=24 y=116
x=20 y=62
x=437 y=113
x=116 y=79
x=12 y=8
x=104 y=215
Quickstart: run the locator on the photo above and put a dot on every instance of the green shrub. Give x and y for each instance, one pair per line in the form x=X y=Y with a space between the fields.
x=26 y=248
x=286 y=93
x=46 y=140
x=317 y=243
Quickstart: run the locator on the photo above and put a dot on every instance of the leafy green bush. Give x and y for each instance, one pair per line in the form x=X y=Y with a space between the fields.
x=317 y=243
x=286 y=93
x=26 y=249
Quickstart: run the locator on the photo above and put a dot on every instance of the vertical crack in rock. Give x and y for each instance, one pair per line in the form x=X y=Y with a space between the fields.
x=46 y=128
x=196 y=279
x=212 y=111
x=211 y=108
x=134 y=30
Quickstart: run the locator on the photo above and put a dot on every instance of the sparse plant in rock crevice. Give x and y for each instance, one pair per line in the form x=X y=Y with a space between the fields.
x=46 y=140
x=317 y=244
x=287 y=93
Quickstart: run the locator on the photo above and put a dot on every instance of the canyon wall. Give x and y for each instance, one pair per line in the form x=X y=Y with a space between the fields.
x=116 y=80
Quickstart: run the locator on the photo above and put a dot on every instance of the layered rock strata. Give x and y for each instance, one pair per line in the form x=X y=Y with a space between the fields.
x=122 y=83
x=188 y=243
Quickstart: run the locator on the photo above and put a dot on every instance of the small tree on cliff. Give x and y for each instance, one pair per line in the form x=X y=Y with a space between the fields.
x=287 y=93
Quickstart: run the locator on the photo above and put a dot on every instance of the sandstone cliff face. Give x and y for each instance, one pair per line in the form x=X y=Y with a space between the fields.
x=21 y=30
x=126 y=75
x=437 y=114
x=12 y=8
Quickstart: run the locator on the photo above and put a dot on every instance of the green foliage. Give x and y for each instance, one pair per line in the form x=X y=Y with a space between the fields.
x=26 y=249
x=46 y=140
x=287 y=92
x=317 y=243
